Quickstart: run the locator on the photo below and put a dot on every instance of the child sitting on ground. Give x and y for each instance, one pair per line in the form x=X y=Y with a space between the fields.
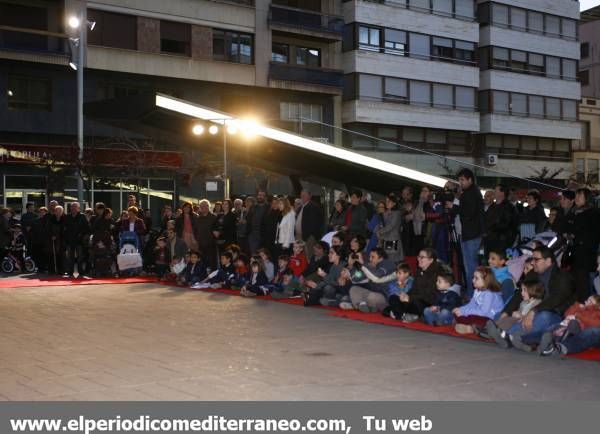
x=268 y=266
x=195 y=271
x=255 y=281
x=298 y=261
x=497 y=261
x=161 y=258
x=222 y=277
x=448 y=299
x=240 y=272
x=282 y=268
x=532 y=292
x=485 y=304
x=403 y=282
x=578 y=317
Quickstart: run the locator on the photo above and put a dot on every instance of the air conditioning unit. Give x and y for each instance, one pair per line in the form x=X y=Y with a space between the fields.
x=492 y=159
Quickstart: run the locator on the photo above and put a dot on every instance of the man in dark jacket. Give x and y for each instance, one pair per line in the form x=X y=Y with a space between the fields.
x=559 y=294
x=76 y=227
x=470 y=211
x=500 y=223
x=204 y=235
x=56 y=239
x=356 y=216
x=309 y=221
x=255 y=221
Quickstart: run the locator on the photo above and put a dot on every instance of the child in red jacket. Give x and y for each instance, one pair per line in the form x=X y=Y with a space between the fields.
x=298 y=261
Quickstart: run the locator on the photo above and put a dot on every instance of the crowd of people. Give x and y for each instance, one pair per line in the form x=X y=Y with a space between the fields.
x=486 y=264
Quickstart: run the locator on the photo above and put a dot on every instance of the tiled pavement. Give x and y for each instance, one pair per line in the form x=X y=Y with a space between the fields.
x=151 y=342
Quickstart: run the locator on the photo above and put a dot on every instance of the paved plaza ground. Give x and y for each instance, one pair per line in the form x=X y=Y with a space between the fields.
x=152 y=342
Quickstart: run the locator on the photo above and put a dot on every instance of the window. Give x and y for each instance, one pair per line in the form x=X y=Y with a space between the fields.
x=518 y=104
x=113 y=30
x=370 y=86
x=536 y=63
x=584 y=77
x=580 y=169
x=569 y=28
x=443 y=96
x=545 y=145
x=368 y=38
x=569 y=110
x=387 y=135
x=420 y=93
x=29 y=93
x=232 y=46
x=500 y=102
x=419 y=4
x=493 y=142
x=569 y=69
x=396 y=89
x=484 y=101
x=511 y=143
x=518 y=60
x=500 y=57
x=280 y=52
x=442 y=48
x=553 y=25
x=465 y=98
x=552 y=67
x=308 y=56
x=395 y=42
x=419 y=46
x=553 y=108
x=535 y=22
x=585 y=50
x=292 y=111
x=443 y=7
x=536 y=106
x=528 y=143
x=175 y=38
x=415 y=135
x=464 y=8
x=464 y=51
x=518 y=18
x=593 y=170
x=500 y=14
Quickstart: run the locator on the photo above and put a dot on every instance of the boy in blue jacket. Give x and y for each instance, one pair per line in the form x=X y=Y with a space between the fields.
x=448 y=299
x=225 y=275
x=497 y=261
x=195 y=270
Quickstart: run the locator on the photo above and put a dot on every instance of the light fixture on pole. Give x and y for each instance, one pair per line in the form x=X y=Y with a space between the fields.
x=198 y=129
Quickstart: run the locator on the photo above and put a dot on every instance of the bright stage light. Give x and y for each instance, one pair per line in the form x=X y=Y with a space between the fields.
x=74 y=22
x=213 y=129
x=198 y=129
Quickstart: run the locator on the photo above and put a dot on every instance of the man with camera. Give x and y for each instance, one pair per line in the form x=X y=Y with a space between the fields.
x=470 y=211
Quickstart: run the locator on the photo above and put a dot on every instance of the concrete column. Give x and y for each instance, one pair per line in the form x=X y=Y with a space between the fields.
x=148 y=35
x=262 y=43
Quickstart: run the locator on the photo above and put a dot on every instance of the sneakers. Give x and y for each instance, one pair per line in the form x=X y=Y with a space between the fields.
x=518 y=343
x=498 y=335
x=364 y=307
x=345 y=305
x=409 y=317
x=547 y=346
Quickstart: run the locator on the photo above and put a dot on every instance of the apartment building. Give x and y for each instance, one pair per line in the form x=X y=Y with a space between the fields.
x=490 y=82
x=274 y=61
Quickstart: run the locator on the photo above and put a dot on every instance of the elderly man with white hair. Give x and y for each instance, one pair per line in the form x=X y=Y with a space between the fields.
x=204 y=234
x=76 y=230
x=56 y=232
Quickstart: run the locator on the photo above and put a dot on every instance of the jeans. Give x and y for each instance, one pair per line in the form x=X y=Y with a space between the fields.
x=470 y=254
x=586 y=339
x=375 y=300
x=441 y=318
x=542 y=321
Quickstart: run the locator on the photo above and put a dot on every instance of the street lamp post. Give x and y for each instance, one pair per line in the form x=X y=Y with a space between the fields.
x=82 y=44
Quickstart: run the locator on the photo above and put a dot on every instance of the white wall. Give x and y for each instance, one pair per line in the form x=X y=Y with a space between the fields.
x=530 y=84
x=500 y=37
x=527 y=126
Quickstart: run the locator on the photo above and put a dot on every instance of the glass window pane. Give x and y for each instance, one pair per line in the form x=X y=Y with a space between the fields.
x=552 y=25
x=536 y=106
x=519 y=104
x=528 y=143
x=536 y=63
x=535 y=21
x=280 y=52
x=500 y=102
x=395 y=42
x=416 y=135
x=500 y=57
x=370 y=86
x=363 y=35
x=552 y=67
x=437 y=137
x=465 y=98
x=511 y=142
x=442 y=6
x=442 y=48
x=245 y=49
x=419 y=4
x=553 y=108
x=569 y=69
x=388 y=135
x=419 y=46
x=443 y=96
x=500 y=14
x=396 y=89
x=569 y=28
x=464 y=51
x=518 y=60
x=569 y=110
x=545 y=144
x=420 y=93
x=561 y=145
x=518 y=18
x=464 y=8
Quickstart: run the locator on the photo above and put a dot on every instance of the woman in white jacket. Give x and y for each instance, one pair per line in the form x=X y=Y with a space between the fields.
x=284 y=237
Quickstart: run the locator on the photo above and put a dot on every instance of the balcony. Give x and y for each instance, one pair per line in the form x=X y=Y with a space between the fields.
x=331 y=78
x=307 y=23
x=19 y=39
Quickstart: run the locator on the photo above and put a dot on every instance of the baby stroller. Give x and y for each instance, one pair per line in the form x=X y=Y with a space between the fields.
x=15 y=256
x=129 y=259
x=101 y=257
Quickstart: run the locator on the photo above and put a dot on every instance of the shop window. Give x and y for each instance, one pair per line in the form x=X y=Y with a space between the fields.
x=528 y=145
x=593 y=170
x=388 y=136
x=580 y=170
x=413 y=135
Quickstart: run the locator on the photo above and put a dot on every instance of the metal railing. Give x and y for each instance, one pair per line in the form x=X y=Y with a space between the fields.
x=304 y=74
x=305 y=19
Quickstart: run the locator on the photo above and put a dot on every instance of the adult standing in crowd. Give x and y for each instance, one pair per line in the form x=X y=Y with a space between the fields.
x=309 y=221
x=175 y=245
x=356 y=221
x=338 y=216
x=255 y=216
x=166 y=215
x=101 y=225
x=27 y=220
x=186 y=226
x=204 y=234
x=56 y=239
x=39 y=244
x=389 y=232
x=285 y=229
x=76 y=229
x=500 y=223
x=533 y=217
x=5 y=237
x=584 y=235
x=470 y=211
x=226 y=225
x=241 y=212
x=269 y=225
x=132 y=201
x=133 y=224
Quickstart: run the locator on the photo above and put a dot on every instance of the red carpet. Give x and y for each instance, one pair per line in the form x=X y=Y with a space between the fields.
x=23 y=282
